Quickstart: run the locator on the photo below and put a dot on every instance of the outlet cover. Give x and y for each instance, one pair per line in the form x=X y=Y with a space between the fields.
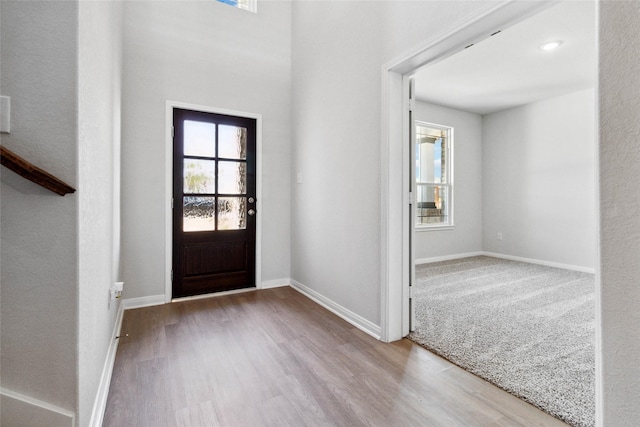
x=5 y=114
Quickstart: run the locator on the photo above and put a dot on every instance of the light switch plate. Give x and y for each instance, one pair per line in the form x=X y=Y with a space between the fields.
x=5 y=114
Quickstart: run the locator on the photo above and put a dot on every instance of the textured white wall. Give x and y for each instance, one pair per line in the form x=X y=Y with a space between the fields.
x=339 y=48
x=99 y=74
x=539 y=180
x=619 y=206
x=467 y=235
x=39 y=314
x=204 y=53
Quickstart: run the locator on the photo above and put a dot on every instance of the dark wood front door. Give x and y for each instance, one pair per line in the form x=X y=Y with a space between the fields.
x=214 y=206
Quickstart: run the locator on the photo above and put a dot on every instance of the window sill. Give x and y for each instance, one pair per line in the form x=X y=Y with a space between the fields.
x=421 y=228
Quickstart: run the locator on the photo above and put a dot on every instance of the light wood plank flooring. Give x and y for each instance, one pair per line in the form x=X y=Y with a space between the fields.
x=275 y=358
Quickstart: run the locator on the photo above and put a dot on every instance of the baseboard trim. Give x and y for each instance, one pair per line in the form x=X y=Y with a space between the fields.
x=448 y=257
x=277 y=283
x=541 y=262
x=148 y=301
x=215 y=294
x=507 y=257
x=351 y=317
x=18 y=409
x=100 y=404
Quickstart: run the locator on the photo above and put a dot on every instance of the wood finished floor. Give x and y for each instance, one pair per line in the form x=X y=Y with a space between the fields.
x=275 y=358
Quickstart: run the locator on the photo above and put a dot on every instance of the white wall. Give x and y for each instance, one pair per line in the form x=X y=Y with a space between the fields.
x=61 y=65
x=539 y=180
x=99 y=74
x=39 y=238
x=211 y=54
x=338 y=51
x=466 y=237
x=619 y=109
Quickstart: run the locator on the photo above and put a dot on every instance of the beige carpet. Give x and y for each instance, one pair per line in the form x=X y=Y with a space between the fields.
x=527 y=328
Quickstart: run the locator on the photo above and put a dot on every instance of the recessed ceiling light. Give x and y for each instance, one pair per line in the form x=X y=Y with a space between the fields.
x=548 y=46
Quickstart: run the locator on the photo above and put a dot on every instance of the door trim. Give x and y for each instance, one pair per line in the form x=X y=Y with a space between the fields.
x=395 y=251
x=170 y=105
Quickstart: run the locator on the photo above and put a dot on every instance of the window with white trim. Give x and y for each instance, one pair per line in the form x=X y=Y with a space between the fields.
x=250 y=5
x=433 y=175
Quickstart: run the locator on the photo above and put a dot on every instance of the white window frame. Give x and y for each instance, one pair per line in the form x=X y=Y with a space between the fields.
x=249 y=5
x=449 y=167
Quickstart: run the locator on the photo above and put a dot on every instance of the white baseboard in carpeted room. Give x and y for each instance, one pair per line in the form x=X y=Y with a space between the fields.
x=529 y=329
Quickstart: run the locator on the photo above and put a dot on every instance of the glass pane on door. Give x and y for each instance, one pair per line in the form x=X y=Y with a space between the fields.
x=199 y=176
x=199 y=214
x=232 y=177
x=232 y=213
x=199 y=139
x=233 y=142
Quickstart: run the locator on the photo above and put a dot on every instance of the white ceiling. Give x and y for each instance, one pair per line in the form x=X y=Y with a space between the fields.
x=508 y=69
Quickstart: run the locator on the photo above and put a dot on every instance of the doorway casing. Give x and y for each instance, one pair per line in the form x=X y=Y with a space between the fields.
x=395 y=155
x=170 y=105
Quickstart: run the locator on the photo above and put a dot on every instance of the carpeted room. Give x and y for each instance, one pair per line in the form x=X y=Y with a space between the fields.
x=523 y=187
x=527 y=328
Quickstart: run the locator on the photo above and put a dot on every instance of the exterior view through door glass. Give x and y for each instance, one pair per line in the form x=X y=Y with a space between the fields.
x=214 y=206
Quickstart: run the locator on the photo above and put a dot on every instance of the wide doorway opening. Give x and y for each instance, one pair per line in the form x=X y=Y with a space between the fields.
x=523 y=195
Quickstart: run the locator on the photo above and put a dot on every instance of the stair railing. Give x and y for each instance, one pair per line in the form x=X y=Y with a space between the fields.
x=33 y=173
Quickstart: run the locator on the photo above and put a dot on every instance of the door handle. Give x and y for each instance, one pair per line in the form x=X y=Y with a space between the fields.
x=251 y=212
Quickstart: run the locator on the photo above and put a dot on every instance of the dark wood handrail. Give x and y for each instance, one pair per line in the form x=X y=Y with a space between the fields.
x=33 y=173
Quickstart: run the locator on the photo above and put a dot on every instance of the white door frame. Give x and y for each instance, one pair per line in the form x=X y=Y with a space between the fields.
x=395 y=174
x=170 y=105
